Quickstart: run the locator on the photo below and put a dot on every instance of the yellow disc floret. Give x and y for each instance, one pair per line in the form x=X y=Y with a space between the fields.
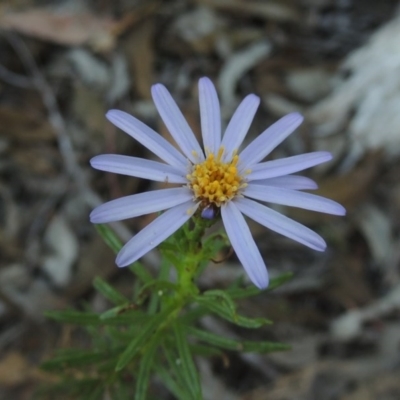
x=214 y=181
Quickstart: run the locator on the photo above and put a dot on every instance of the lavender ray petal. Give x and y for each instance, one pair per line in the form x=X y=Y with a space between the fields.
x=293 y=198
x=210 y=114
x=156 y=232
x=138 y=167
x=140 y=204
x=147 y=137
x=295 y=182
x=239 y=125
x=176 y=123
x=280 y=224
x=262 y=145
x=288 y=165
x=243 y=243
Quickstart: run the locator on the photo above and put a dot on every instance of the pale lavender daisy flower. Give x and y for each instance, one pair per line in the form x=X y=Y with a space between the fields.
x=216 y=177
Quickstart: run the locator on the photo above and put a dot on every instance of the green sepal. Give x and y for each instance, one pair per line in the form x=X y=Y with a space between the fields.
x=109 y=292
x=237 y=345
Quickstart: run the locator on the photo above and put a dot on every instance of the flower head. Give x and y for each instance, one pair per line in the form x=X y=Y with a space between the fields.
x=217 y=177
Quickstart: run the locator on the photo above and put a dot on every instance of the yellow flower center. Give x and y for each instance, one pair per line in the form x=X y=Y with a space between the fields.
x=214 y=181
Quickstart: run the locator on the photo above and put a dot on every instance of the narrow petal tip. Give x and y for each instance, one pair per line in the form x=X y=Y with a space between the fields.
x=261 y=282
x=92 y=216
x=295 y=116
x=121 y=262
x=114 y=116
x=157 y=87
x=340 y=210
x=205 y=81
x=111 y=113
x=320 y=245
x=93 y=161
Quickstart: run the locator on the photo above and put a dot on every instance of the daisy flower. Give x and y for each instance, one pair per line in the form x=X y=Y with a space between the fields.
x=218 y=178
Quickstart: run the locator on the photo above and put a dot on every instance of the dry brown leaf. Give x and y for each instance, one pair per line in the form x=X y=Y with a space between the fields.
x=96 y=260
x=40 y=161
x=15 y=369
x=139 y=49
x=73 y=29
x=20 y=126
x=384 y=386
x=349 y=284
x=278 y=11
x=64 y=29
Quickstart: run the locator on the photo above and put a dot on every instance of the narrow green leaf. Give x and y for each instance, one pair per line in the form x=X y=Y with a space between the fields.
x=116 y=311
x=231 y=344
x=109 y=292
x=112 y=240
x=165 y=246
x=72 y=388
x=121 y=391
x=193 y=315
x=172 y=257
x=251 y=323
x=204 y=350
x=279 y=280
x=124 y=318
x=154 y=286
x=177 y=390
x=74 y=358
x=225 y=312
x=214 y=243
x=222 y=309
x=187 y=366
x=143 y=376
x=141 y=272
x=109 y=237
x=147 y=330
x=92 y=319
x=239 y=293
x=153 y=303
x=74 y=317
x=222 y=297
x=175 y=368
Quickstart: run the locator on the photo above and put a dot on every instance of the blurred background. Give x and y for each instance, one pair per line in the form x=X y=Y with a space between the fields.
x=64 y=63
